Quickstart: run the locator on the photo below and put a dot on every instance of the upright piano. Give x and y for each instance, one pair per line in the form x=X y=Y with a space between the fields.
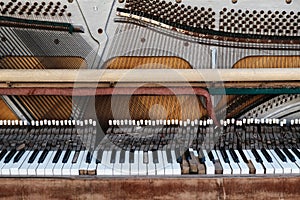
x=149 y=99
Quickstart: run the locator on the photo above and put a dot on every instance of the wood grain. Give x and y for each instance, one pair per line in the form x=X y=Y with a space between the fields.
x=185 y=187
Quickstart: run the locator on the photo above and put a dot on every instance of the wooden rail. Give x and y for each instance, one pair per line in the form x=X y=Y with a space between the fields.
x=59 y=77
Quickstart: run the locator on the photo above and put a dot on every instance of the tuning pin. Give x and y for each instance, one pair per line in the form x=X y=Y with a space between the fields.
x=196 y=122
x=284 y=121
x=153 y=122
x=204 y=122
x=296 y=121
x=86 y=122
x=168 y=122
x=165 y=122
x=157 y=122
x=81 y=123
x=227 y=121
x=176 y=121
x=118 y=122
x=122 y=122
x=126 y=122
x=146 y=122
x=244 y=120
x=49 y=122
x=181 y=123
x=192 y=123
x=172 y=121
x=41 y=123
x=12 y=122
x=201 y=122
x=62 y=122
x=222 y=122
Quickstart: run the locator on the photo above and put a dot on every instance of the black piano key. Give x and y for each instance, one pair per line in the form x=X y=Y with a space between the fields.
x=169 y=155
x=224 y=155
x=187 y=155
x=99 y=156
x=57 y=155
x=122 y=156
x=256 y=155
x=280 y=154
x=233 y=155
x=66 y=156
x=201 y=156
x=155 y=157
x=19 y=155
x=243 y=155
x=289 y=154
x=88 y=158
x=113 y=156
x=43 y=156
x=178 y=155
x=267 y=155
x=131 y=157
x=3 y=153
x=10 y=155
x=211 y=157
x=33 y=156
x=293 y=149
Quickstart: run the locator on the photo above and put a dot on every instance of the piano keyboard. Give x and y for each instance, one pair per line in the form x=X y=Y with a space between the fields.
x=66 y=148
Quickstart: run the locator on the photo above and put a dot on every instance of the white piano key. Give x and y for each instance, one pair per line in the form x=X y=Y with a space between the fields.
x=134 y=167
x=142 y=165
x=151 y=165
x=14 y=169
x=175 y=165
x=40 y=170
x=126 y=164
x=84 y=165
x=294 y=167
x=6 y=167
x=234 y=166
x=57 y=170
x=277 y=167
x=33 y=166
x=268 y=166
x=75 y=166
x=66 y=169
x=244 y=167
x=100 y=166
x=117 y=169
x=258 y=167
x=168 y=166
x=209 y=165
x=49 y=167
x=286 y=167
x=296 y=158
x=23 y=168
x=226 y=167
x=106 y=161
x=160 y=168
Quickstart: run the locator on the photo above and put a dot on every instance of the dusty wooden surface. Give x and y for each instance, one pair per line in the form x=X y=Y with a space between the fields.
x=151 y=188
